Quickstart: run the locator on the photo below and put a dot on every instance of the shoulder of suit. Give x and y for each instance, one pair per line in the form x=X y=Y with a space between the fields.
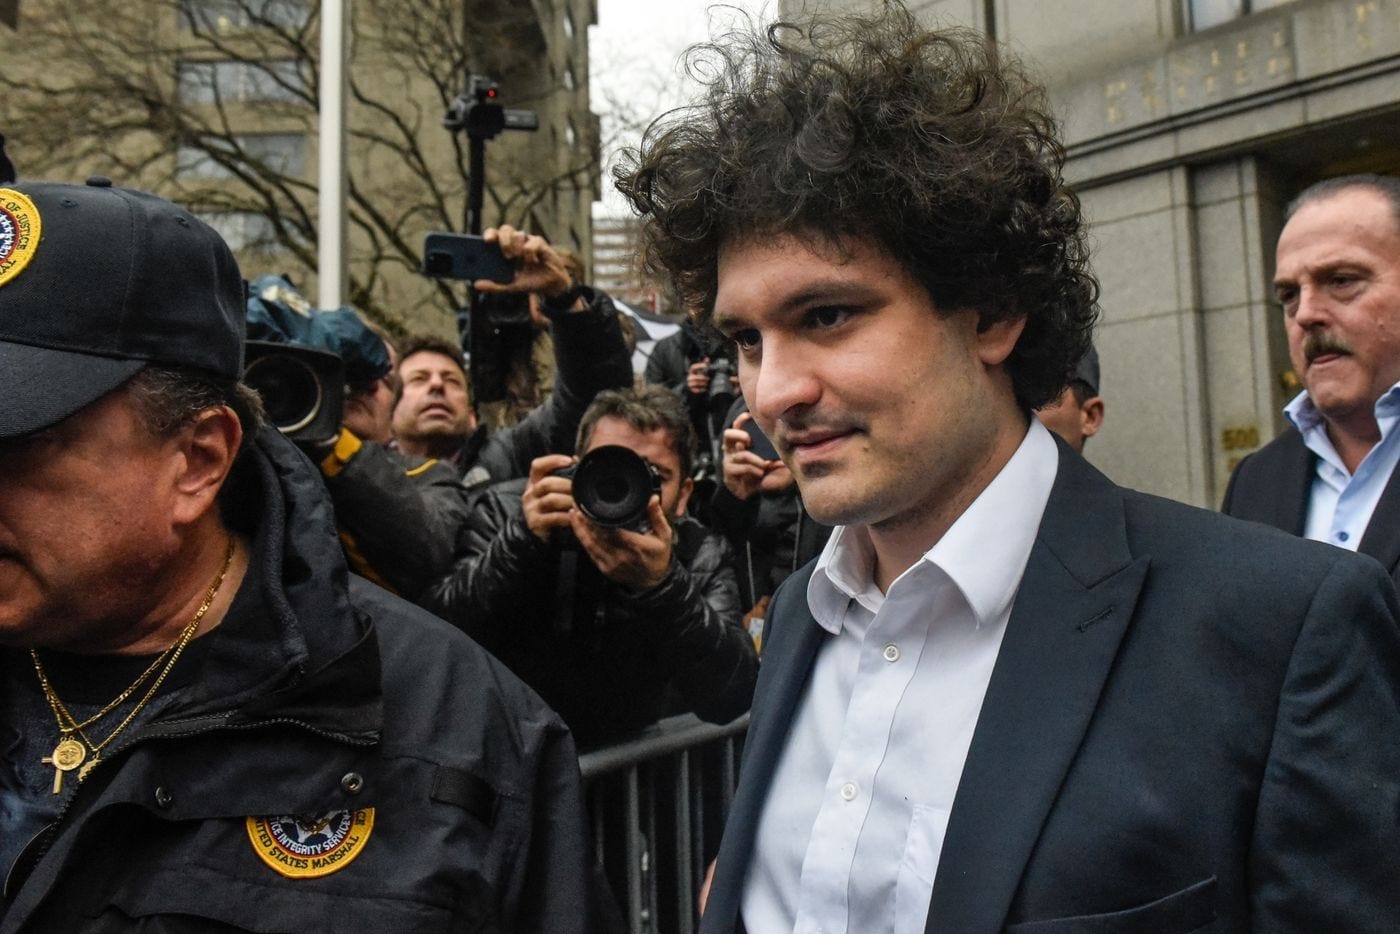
x=1285 y=446
x=1248 y=554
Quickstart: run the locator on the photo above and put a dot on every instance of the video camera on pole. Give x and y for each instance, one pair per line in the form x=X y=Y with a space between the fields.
x=479 y=114
x=466 y=257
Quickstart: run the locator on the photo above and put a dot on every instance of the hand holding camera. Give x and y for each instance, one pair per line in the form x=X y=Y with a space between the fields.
x=617 y=518
x=751 y=464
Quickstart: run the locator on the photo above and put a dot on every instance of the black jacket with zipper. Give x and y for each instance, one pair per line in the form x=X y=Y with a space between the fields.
x=338 y=697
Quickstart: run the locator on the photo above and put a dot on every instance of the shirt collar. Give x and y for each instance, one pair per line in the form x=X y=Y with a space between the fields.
x=1303 y=415
x=984 y=552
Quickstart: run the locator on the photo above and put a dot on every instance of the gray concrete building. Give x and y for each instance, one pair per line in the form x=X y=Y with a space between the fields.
x=1189 y=125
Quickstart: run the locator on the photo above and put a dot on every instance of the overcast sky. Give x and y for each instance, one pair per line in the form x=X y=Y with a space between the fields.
x=635 y=51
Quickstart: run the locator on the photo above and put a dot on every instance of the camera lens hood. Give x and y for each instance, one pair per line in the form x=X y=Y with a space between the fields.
x=612 y=486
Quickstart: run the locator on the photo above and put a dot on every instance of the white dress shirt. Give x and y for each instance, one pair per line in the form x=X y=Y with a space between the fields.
x=851 y=832
x=1340 y=503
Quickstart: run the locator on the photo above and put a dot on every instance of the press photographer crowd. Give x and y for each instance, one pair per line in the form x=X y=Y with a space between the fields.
x=305 y=627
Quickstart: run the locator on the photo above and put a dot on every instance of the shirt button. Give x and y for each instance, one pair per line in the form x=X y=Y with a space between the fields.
x=891 y=653
x=1342 y=536
x=849 y=791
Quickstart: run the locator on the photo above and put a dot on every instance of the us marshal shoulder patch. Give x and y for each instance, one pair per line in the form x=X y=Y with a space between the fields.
x=307 y=847
x=19 y=233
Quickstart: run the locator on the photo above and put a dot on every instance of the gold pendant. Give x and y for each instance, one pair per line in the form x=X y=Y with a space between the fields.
x=88 y=766
x=67 y=756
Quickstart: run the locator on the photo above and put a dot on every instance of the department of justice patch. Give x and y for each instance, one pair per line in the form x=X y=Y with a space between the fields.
x=307 y=847
x=19 y=233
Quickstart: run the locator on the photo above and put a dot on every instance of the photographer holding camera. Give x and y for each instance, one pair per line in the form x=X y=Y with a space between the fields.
x=614 y=625
x=699 y=368
x=434 y=417
x=327 y=379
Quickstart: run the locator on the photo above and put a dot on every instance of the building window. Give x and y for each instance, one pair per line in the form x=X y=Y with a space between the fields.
x=210 y=82
x=568 y=75
x=1203 y=14
x=243 y=230
x=281 y=153
x=225 y=15
x=568 y=21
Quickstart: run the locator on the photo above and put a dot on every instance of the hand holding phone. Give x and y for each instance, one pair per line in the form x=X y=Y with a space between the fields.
x=465 y=257
x=759 y=443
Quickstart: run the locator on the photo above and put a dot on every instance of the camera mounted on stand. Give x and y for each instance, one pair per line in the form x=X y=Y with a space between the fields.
x=479 y=114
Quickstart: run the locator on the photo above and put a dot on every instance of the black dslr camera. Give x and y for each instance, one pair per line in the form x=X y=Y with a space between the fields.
x=721 y=392
x=612 y=486
x=303 y=390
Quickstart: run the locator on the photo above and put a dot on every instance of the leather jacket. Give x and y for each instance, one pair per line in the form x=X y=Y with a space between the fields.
x=610 y=660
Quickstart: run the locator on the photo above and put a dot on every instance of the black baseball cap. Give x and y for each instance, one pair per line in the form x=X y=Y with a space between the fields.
x=1087 y=371
x=96 y=283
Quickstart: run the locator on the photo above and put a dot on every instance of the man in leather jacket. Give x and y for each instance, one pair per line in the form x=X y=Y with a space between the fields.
x=206 y=723
x=614 y=627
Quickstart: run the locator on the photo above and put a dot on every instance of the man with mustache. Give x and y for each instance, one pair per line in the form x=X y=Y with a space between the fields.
x=1330 y=477
x=1009 y=696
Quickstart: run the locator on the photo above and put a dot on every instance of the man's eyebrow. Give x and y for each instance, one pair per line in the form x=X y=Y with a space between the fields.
x=812 y=294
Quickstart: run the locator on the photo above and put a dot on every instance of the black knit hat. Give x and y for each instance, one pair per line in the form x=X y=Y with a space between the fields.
x=96 y=283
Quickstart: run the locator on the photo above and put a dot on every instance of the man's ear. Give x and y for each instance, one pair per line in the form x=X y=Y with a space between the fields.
x=208 y=446
x=996 y=341
x=687 y=487
x=1091 y=416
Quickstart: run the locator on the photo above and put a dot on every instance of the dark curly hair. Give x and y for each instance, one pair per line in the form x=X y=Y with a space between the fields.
x=928 y=143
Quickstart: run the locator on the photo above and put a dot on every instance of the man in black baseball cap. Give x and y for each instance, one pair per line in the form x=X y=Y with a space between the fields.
x=1076 y=415
x=98 y=282
x=204 y=721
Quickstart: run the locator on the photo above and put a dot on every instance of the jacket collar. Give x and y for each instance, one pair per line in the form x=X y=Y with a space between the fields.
x=309 y=656
x=1075 y=602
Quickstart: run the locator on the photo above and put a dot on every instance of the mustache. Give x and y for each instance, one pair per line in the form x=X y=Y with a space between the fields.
x=1318 y=343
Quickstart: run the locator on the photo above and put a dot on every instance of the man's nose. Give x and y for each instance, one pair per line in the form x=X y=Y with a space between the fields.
x=1313 y=308
x=781 y=382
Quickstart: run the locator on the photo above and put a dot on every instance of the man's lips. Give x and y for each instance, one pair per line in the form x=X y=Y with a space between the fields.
x=811 y=444
x=436 y=407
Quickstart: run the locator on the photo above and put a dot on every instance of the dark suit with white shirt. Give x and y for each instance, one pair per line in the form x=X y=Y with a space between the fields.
x=1274 y=485
x=1193 y=725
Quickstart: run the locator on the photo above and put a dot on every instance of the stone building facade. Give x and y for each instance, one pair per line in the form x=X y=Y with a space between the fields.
x=1189 y=125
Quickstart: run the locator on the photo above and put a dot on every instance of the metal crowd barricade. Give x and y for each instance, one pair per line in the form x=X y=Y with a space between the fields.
x=658 y=804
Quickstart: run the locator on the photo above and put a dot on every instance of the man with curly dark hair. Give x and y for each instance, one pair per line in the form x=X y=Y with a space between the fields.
x=1008 y=695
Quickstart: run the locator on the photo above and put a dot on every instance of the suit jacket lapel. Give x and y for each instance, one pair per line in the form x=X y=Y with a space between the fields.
x=1073 y=606
x=1382 y=537
x=1283 y=501
x=787 y=661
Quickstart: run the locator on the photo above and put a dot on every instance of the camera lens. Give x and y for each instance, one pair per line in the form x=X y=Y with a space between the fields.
x=290 y=390
x=612 y=486
x=721 y=394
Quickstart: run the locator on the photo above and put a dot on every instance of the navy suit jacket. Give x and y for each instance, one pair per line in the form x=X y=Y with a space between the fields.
x=1273 y=485
x=1193 y=725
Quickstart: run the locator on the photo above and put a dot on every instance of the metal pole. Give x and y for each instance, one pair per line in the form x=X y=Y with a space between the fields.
x=476 y=184
x=330 y=274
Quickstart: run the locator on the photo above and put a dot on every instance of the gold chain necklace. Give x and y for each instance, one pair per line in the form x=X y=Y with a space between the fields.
x=71 y=752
